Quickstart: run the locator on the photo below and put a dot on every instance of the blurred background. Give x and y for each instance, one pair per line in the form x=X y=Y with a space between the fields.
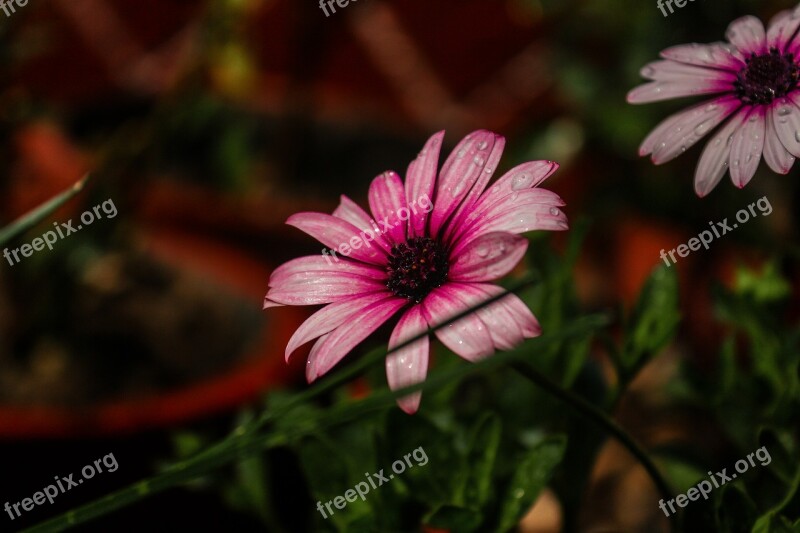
x=209 y=122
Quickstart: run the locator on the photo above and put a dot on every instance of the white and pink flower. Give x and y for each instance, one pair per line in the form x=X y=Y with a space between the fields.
x=428 y=269
x=754 y=77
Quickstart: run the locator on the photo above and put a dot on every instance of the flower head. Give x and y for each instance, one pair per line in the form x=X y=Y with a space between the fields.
x=427 y=251
x=754 y=78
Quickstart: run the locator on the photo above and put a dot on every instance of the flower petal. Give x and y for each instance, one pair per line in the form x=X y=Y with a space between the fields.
x=324 y=288
x=331 y=317
x=522 y=211
x=387 y=199
x=467 y=206
x=333 y=346
x=306 y=268
x=692 y=126
x=715 y=55
x=669 y=70
x=522 y=315
x=714 y=161
x=420 y=180
x=525 y=176
x=409 y=365
x=351 y=212
x=747 y=146
x=467 y=336
x=336 y=233
x=459 y=174
x=747 y=35
x=498 y=209
x=678 y=123
x=775 y=153
x=782 y=29
x=786 y=116
x=665 y=90
x=509 y=320
x=488 y=257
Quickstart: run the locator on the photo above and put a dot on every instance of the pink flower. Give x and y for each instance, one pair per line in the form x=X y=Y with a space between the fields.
x=755 y=80
x=426 y=260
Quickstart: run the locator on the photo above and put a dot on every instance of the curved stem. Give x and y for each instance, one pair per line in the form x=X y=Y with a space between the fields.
x=601 y=418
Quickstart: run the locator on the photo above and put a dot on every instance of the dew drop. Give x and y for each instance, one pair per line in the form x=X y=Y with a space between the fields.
x=514 y=197
x=521 y=181
x=495 y=189
x=554 y=211
x=478 y=160
x=797 y=135
x=462 y=153
x=648 y=72
x=785 y=110
x=489 y=170
x=482 y=250
x=482 y=145
x=711 y=107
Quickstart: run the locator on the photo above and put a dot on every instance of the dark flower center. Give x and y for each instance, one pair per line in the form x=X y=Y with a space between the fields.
x=766 y=77
x=416 y=267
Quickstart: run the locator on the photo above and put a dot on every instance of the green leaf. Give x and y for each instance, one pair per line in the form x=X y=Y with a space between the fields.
x=654 y=320
x=187 y=443
x=532 y=475
x=484 y=444
x=252 y=474
x=736 y=510
x=38 y=214
x=772 y=523
x=454 y=518
x=326 y=469
x=765 y=286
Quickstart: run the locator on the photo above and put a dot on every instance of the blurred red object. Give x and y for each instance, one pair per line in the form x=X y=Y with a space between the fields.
x=48 y=164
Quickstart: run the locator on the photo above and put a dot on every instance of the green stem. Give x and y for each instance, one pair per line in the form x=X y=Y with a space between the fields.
x=600 y=418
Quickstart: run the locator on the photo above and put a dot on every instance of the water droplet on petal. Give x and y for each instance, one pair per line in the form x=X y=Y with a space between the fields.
x=521 y=181
x=784 y=110
x=797 y=136
x=478 y=160
x=461 y=153
x=554 y=211
x=482 y=145
x=495 y=189
x=482 y=250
